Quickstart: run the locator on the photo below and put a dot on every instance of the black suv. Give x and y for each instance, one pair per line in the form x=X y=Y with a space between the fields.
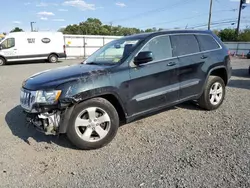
x=126 y=79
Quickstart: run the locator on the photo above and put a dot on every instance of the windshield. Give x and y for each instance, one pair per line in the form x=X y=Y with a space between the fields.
x=113 y=52
x=1 y=39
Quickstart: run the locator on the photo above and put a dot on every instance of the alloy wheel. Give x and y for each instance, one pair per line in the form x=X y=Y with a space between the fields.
x=92 y=124
x=216 y=93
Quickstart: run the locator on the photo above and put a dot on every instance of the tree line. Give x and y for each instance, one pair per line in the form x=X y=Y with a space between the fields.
x=93 y=26
x=229 y=35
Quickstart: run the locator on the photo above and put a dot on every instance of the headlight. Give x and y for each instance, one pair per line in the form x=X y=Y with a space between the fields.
x=49 y=97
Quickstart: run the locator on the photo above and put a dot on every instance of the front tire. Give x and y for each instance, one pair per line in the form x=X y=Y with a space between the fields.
x=93 y=124
x=213 y=94
x=2 y=61
x=53 y=58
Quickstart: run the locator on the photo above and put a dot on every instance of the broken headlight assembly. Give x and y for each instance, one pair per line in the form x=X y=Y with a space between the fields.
x=48 y=97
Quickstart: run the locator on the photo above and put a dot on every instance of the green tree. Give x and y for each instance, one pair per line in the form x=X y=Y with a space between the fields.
x=227 y=35
x=72 y=29
x=93 y=26
x=244 y=35
x=215 y=31
x=151 y=30
x=61 y=30
x=16 y=29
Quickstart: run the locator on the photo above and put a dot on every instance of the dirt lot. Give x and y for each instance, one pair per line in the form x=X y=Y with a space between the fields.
x=183 y=146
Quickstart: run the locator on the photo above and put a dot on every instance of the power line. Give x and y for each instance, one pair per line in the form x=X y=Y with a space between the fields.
x=216 y=22
x=228 y=20
x=223 y=24
x=181 y=2
x=173 y=21
x=219 y=23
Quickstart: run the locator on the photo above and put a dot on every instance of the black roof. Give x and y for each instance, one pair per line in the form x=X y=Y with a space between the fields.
x=151 y=34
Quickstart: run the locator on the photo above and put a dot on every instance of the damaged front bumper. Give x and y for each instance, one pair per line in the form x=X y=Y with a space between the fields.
x=52 y=122
x=51 y=119
x=48 y=123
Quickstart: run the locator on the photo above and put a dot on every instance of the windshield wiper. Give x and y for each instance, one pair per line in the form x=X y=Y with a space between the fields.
x=95 y=63
x=91 y=63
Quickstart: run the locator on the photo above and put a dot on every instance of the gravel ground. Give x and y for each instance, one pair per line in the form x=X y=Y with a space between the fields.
x=183 y=146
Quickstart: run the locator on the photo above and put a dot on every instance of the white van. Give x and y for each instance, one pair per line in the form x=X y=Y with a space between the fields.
x=26 y=46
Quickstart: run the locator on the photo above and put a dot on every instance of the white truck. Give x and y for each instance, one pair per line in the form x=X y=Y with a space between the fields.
x=28 y=46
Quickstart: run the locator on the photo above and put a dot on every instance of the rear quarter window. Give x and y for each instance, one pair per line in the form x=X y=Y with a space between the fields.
x=184 y=44
x=207 y=42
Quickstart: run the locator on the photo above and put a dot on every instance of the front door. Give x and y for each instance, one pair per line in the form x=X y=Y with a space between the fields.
x=9 y=50
x=155 y=83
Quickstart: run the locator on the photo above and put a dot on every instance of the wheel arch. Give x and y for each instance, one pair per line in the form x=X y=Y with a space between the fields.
x=109 y=96
x=220 y=72
x=1 y=56
x=53 y=53
x=216 y=71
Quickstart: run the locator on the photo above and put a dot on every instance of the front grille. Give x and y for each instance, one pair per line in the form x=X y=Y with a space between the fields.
x=27 y=99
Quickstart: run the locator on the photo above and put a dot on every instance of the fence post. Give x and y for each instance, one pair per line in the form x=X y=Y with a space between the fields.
x=84 y=47
x=237 y=48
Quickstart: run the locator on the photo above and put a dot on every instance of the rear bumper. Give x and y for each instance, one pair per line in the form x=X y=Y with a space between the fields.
x=62 y=55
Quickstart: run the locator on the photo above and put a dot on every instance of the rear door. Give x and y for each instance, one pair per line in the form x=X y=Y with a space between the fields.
x=155 y=83
x=210 y=52
x=191 y=62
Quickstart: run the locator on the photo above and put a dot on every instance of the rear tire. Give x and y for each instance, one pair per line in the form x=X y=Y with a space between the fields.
x=2 y=61
x=213 y=94
x=53 y=58
x=93 y=124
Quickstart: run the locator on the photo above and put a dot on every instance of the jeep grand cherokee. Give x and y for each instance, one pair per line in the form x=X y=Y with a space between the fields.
x=126 y=79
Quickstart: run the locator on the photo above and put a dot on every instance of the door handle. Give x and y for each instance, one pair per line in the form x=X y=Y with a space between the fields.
x=203 y=56
x=171 y=64
x=14 y=49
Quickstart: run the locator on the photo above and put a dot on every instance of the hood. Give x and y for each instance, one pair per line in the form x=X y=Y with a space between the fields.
x=54 y=77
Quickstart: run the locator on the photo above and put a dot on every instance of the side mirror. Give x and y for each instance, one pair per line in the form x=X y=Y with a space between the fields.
x=143 y=57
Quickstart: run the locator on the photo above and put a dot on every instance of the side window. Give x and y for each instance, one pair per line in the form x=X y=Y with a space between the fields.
x=8 y=43
x=184 y=44
x=207 y=42
x=160 y=47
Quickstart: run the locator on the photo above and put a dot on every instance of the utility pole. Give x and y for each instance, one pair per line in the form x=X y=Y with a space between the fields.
x=238 y=26
x=31 y=25
x=210 y=14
